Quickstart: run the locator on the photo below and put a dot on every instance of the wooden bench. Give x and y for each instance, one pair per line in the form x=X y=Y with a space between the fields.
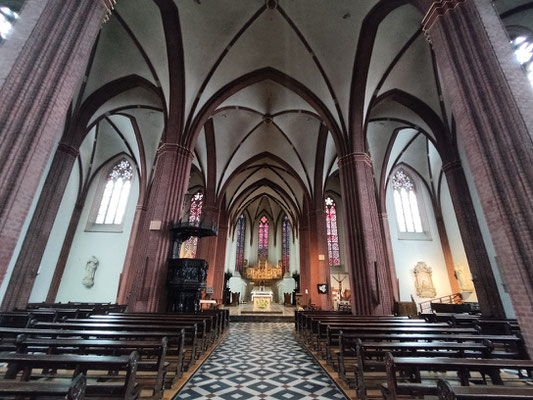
x=412 y=367
x=73 y=390
x=369 y=357
x=125 y=389
x=449 y=392
x=152 y=355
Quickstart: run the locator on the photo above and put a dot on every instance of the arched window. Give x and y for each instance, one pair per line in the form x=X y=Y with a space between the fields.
x=285 y=243
x=523 y=51
x=332 y=234
x=241 y=230
x=263 y=237
x=195 y=212
x=405 y=203
x=116 y=193
x=7 y=19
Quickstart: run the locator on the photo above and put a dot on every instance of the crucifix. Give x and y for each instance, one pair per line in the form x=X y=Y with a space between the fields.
x=339 y=281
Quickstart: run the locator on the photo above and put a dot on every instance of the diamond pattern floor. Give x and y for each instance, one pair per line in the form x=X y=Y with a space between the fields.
x=260 y=361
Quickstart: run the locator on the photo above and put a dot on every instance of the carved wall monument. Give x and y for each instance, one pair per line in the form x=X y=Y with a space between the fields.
x=465 y=278
x=90 y=268
x=423 y=281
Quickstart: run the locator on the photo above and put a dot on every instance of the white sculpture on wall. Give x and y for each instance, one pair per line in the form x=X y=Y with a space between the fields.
x=464 y=278
x=90 y=268
x=424 y=281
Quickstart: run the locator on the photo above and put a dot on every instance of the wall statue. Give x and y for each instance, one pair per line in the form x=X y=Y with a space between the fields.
x=465 y=279
x=423 y=281
x=90 y=268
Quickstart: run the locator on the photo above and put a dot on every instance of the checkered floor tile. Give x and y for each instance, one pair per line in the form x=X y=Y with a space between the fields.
x=260 y=361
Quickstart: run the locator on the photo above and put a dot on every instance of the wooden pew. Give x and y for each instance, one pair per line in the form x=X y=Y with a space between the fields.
x=152 y=355
x=73 y=390
x=368 y=357
x=413 y=366
x=449 y=392
x=190 y=342
x=125 y=389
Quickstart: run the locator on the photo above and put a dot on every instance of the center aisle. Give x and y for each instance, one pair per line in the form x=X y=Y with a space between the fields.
x=260 y=361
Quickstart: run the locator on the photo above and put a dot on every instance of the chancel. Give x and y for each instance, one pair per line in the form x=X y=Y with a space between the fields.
x=313 y=171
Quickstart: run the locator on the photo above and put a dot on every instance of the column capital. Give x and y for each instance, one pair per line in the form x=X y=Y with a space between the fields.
x=68 y=149
x=174 y=148
x=354 y=158
x=109 y=6
x=452 y=166
x=437 y=10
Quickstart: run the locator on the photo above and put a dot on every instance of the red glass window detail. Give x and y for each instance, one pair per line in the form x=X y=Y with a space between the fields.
x=332 y=234
x=263 y=237
x=285 y=244
x=241 y=230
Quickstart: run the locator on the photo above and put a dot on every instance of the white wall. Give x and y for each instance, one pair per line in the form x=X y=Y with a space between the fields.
x=407 y=253
x=108 y=247
x=55 y=241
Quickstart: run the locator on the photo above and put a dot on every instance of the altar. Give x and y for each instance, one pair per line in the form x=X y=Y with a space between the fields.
x=262 y=299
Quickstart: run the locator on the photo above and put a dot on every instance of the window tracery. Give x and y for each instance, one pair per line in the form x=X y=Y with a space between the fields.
x=115 y=197
x=241 y=230
x=263 y=237
x=331 y=231
x=405 y=203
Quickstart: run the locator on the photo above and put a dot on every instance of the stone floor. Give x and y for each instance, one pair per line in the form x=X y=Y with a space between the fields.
x=260 y=361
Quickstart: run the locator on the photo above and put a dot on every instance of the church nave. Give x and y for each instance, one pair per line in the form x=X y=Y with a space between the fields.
x=259 y=361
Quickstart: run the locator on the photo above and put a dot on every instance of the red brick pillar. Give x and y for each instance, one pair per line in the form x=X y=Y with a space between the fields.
x=143 y=283
x=476 y=253
x=446 y=250
x=34 y=100
x=220 y=258
x=303 y=235
x=318 y=269
x=385 y=233
x=370 y=274
x=207 y=247
x=30 y=255
x=492 y=102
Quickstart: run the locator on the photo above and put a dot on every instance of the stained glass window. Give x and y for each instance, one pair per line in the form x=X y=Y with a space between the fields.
x=116 y=192
x=263 y=237
x=285 y=243
x=405 y=203
x=523 y=51
x=195 y=212
x=241 y=230
x=332 y=234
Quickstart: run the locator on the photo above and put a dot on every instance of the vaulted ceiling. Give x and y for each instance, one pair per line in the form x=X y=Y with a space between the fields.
x=266 y=94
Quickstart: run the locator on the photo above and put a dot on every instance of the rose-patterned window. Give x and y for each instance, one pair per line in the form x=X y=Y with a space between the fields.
x=115 y=196
x=332 y=234
x=195 y=212
x=285 y=243
x=263 y=237
x=405 y=203
x=241 y=231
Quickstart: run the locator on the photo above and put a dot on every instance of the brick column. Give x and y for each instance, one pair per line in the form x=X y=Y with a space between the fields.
x=220 y=259
x=30 y=255
x=34 y=100
x=207 y=247
x=304 y=257
x=492 y=102
x=385 y=231
x=370 y=276
x=319 y=269
x=446 y=250
x=476 y=253
x=144 y=278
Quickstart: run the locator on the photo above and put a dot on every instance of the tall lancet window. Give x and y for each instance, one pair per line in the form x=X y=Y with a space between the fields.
x=195 y=212
x=241 y=231
x=331 y=231
x=405 y=203
x=285 y=244
x=523 y=51
x=263 y=237
x=116 y=193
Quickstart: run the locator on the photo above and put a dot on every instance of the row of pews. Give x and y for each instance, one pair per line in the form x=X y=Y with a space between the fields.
x=84 y=350
x=453 y=356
